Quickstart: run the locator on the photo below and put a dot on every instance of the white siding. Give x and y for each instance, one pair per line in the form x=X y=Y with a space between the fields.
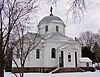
x=70 y=50
x=48 y=61
x=52 y=28
x=45 y=48
x=84 y=64
x=32 y=61
x=66 y=62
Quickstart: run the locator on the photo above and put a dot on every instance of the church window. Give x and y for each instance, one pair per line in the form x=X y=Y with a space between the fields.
x=63 y=30
x=46 y=28
x=57 y=28
x=69 y=58
x=37 y=53
x=53 y=53
x=18 y=54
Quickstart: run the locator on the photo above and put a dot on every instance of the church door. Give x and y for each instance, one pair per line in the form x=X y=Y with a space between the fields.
x=76 y=59
x=61 y=60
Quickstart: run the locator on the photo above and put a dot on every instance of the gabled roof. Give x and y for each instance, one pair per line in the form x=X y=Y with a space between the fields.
x=72 y=46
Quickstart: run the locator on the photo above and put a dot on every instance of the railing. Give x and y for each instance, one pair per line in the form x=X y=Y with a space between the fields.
x=55 y=70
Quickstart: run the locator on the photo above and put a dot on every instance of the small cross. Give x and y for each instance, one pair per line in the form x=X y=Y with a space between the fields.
x=51 y=11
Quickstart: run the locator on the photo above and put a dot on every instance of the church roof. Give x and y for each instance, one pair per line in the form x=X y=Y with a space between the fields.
x=85 y=59
x=72 y=46
x=48 y=19
x=53 y=37
x=32 y=36
x=60 y=37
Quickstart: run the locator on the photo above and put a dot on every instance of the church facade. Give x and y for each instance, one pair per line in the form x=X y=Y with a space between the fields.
x=55 y=49
x=59 y=50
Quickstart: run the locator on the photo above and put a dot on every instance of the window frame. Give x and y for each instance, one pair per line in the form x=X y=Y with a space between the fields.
x=57 y=28
x=53 y=53
x=46 y=28
x=69 y=58
x=37 y=53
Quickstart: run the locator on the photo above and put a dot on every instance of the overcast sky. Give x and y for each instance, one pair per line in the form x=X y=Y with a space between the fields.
x=90 y=21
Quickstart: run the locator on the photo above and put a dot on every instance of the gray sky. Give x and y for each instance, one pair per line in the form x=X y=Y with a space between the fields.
x=90 y=21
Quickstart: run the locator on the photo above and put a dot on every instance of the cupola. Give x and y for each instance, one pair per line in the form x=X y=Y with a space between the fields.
x=51 y=24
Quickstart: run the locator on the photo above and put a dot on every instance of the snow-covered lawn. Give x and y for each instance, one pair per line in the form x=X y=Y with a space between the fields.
x=79 y=74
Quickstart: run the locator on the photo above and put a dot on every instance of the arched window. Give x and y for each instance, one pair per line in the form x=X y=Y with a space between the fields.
x=37 y=53
x=53 y=53
x=18 y=54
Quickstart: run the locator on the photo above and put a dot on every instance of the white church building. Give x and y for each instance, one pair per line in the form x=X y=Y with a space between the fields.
x=55 y=49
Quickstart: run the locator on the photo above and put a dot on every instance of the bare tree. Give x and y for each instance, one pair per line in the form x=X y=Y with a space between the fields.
x=25 y=44
x=96 y=51
x=77 y=9
x=11 y=12
x=1 y=52
x=96 y=47
x=97 y=38
x=87 y=38
x=99 y=31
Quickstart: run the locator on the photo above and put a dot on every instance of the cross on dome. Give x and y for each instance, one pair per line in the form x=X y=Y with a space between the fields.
x=51 y=11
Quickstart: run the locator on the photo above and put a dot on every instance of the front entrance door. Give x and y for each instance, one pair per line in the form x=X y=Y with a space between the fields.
x=76 y=59
x=61 y=60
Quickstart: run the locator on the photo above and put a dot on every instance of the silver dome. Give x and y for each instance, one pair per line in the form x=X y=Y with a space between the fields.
x=48 y=19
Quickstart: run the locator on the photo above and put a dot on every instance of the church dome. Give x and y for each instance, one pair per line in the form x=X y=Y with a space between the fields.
x=51 y=24
x=48 y=19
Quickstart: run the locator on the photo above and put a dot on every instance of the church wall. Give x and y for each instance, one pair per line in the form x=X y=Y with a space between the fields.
x=18 y=62
x=70 y=50
x=48 y=61
x=52 y=28
x=31 y=60
x=34 y=62
x=84 y=64
x=45 y=56
x=78 y=53
x=42 y=29
x=66 y=62
x=52 y=62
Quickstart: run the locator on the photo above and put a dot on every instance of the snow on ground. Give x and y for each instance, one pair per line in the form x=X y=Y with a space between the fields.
x=79 y=74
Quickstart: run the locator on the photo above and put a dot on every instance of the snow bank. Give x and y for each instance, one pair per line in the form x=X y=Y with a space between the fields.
x=79 y=74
